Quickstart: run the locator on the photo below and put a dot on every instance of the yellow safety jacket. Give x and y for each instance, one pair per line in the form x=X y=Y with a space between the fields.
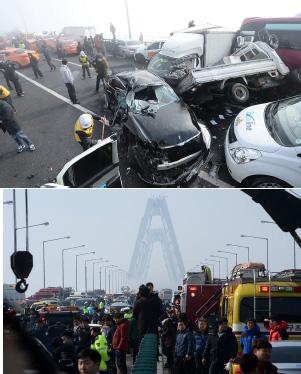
x=4 y=92
x=88 y=132
x=101 y=305
x=85 y=310
x=84 y=60
x=128 y=316
x=100 y=345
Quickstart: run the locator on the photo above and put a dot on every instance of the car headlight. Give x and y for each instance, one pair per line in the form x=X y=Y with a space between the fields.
x=244 y=155
x=205 y=134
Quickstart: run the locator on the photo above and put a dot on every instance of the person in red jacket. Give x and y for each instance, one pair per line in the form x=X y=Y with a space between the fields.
x=120 y=342
x=277 y=329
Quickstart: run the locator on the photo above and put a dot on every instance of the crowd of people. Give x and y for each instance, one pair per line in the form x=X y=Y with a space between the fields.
x=103 y=341
x=83 y=130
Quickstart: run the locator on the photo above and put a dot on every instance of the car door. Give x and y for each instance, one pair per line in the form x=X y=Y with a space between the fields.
x=152 y=50
x=98 y=167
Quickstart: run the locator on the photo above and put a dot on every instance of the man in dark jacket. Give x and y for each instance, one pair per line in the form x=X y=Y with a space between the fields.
x=184 y=351
x=65 y=354
x=10 y=75
x=168 y=339
x=263 y=351
x=200 y=339
x=120 y=342
x=102 y=69
x=9 y=123
x=221 y=347
x=146 y=312
x=46 y=54
x=34 y=63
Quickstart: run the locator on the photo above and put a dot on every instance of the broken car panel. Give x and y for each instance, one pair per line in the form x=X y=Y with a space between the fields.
x=165 y=141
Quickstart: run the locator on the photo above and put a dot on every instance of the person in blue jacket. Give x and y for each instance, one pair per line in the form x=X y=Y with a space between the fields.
x=200 y=339
x=184 y=351
x=250 y=332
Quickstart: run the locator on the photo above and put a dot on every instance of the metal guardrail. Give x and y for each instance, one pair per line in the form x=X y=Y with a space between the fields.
x=146 y=361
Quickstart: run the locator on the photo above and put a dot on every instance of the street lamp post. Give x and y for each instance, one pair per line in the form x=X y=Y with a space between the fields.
x=98 y=262
x=76 y=256
x=86 y=277
x=219 y=265
x=262 y=238
x=232 y=253
x=227 y=264
x=45 y=241
x=240 y=246
x=63 y=250
x=108 y=267
x=128 y=18
x=263 y=221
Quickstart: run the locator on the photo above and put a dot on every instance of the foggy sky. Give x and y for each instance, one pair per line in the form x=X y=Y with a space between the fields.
x=107 y=221
x=153 y=18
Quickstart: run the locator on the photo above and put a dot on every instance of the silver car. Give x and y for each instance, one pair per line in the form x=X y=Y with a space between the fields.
x=286 y=355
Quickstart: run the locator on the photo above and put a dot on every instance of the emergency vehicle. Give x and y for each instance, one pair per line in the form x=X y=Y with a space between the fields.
x=253 y=292
x=200 y=294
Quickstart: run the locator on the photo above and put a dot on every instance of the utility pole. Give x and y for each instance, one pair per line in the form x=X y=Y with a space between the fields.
x=128 y=18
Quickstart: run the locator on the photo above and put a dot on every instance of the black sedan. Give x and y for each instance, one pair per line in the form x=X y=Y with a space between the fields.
x=165 y=141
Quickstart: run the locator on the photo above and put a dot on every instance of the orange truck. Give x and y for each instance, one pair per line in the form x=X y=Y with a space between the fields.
x=18 y=56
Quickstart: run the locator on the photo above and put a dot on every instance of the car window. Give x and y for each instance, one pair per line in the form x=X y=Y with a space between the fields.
x=153 y=97
x=153 y=46
x=133 y=42
x=285 y=354
x=283 y=120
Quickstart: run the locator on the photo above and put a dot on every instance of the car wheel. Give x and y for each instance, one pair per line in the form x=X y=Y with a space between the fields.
x=239 y=93
x=140 y=58
x=267 y=182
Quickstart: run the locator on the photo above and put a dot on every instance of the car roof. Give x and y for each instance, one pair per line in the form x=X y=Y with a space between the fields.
x=140 y=78
x=287 y=343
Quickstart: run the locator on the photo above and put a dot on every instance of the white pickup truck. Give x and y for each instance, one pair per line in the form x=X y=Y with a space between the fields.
x=252 y=67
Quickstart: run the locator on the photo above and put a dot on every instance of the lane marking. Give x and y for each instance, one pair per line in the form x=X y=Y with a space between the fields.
x=57 y=95
x=69 y=62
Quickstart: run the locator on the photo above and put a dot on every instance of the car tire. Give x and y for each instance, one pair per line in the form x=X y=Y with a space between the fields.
x=267 y=182
x=140 y=59
x=239 y=93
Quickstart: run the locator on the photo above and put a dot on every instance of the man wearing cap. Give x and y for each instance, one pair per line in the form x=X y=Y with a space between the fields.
x=69 y=81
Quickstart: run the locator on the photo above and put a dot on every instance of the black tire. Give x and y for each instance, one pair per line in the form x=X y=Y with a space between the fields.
x=140 y=59
x=239 y=93
x=267 y=182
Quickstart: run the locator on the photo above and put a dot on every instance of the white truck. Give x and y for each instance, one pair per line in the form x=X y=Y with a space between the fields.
x=255 y=66
x=78 y=33
x=196 y=47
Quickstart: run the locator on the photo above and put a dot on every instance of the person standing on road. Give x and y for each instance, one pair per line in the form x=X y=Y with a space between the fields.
x=184 y=363
x=46 y=54
x=9 y=123
x=200 y=338
x=69 y=81
x=6 y=96
x=120 y=342
x=85 y=62
x=10 y=75
x=221 y=347
x=102 y=69
x=34 y=63
x=250 y=332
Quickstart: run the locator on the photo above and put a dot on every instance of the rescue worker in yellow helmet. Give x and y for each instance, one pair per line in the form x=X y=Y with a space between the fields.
x=100 y=345
x=5 y=95
x=85 y=62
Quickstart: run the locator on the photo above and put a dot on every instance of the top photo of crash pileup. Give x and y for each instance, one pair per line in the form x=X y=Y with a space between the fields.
x=144 y=94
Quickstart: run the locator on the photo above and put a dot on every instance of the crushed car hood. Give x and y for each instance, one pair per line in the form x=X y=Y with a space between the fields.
x=251 y=131
x=172 y=125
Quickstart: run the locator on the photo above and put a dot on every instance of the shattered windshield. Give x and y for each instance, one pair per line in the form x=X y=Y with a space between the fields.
x=283 y=120
x=151 y=98
x=169 y=66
